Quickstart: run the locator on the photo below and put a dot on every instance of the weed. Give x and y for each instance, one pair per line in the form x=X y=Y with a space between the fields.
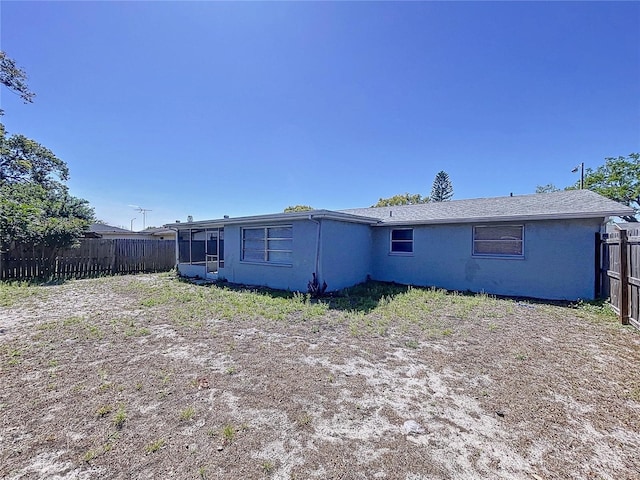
x=268 y=467
x=412 y=344
x=446 y=332
x=187 y=413
x=493 y=327
x=89 y=455
x=521 y=356
x=104 y=410
x=133 y=331
x=165 y=378
x=154 y=446
x=104 y=386
x=228 y=433
x=230 y=370
x=304 y=420
x=12 y=291
x=634 y=394
x=15 y=356
x=120 y=417
x=202 y=473
x=71 y=321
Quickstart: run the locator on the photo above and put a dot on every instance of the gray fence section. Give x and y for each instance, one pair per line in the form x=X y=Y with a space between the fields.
x=620 y=273
x=93 y=257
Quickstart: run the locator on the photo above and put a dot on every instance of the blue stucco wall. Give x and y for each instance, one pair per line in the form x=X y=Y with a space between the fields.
x=345 y=257
x=558 y=261
x=345 y=254
x=188 y=270
x=285 y=277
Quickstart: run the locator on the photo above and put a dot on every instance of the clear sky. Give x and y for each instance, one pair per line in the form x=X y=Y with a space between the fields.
x=210 y=109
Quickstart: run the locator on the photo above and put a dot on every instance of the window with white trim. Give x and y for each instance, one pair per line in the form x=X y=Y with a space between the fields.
x=402 y=240
x=498 y=240
x=267 y=244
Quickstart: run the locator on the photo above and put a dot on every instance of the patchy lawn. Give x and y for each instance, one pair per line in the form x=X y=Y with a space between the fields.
x=150 y=377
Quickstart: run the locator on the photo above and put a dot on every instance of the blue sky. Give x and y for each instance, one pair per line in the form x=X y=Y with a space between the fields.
x=210 y=109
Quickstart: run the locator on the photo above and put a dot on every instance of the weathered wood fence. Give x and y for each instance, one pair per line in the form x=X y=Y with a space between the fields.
x=93 y=257
x=620 y=273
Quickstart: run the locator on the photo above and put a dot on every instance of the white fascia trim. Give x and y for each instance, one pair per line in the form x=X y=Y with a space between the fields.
x=495 y=219
x=275 y=217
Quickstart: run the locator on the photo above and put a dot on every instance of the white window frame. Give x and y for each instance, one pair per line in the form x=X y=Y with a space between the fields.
x=499 y=241
x=400 y=241
x=266 y=250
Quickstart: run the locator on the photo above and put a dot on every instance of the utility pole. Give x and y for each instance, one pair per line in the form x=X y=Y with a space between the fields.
x=581 y=167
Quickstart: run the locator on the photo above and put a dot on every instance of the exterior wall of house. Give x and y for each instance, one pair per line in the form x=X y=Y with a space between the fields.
x=192 y=270
x=345 y=254
x=558 y=261
x=344 y=257
x=285 y=277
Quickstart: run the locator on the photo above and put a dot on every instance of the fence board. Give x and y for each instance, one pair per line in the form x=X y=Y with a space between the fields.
x=92 y=257
x=620 y=273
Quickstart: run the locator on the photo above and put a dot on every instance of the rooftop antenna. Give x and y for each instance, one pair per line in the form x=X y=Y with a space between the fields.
x=144 y=214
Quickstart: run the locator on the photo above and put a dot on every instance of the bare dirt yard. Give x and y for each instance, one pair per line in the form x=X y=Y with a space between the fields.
x=151 y=377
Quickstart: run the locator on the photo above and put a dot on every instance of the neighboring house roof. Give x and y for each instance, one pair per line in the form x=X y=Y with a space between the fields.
x=157 y=231
x=540 y=206
x=98 y=230
x=560 y=205
x=104 y=228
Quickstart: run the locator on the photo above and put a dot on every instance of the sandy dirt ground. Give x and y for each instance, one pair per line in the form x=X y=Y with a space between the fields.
x=99 y=380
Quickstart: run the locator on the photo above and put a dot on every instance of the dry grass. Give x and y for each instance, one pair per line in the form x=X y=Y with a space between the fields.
x=150 y=377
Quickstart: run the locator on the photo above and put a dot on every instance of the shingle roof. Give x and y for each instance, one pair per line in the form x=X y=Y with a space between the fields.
x=104 y=228
x=556 y=205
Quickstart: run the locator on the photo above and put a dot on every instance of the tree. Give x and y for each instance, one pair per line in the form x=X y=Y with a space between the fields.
x=618 y=179
x=14 y=78
x=548 y=188
x=35 y=205
x=402 y=199
x=36 y=208
x=298 y=208
x=442 y=189
x=23 y=160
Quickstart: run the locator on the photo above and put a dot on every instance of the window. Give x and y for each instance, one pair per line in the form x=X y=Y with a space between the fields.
x=499 y=240
x=402 y=240
x=267 y=244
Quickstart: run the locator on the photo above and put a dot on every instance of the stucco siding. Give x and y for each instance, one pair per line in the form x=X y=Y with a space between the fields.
x=345 y=254
x=192 y=271
x=558 y=261
x=285 y=277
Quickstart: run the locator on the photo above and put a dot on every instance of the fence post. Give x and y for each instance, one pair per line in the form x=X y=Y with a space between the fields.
x=624 y=279
x=112 y=256
x=597 y=290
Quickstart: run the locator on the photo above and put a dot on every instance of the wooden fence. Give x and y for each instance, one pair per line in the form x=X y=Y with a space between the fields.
x=93 y=257
x=620 y=273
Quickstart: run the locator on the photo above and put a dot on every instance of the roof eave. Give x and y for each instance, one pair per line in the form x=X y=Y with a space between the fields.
x=275 y=218
x=505 y=218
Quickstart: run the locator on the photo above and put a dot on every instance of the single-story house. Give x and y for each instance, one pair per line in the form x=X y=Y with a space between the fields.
x=540 y=245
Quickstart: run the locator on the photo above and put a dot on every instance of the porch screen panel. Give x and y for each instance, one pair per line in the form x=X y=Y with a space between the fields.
x=184 y=252
x=198 y=239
